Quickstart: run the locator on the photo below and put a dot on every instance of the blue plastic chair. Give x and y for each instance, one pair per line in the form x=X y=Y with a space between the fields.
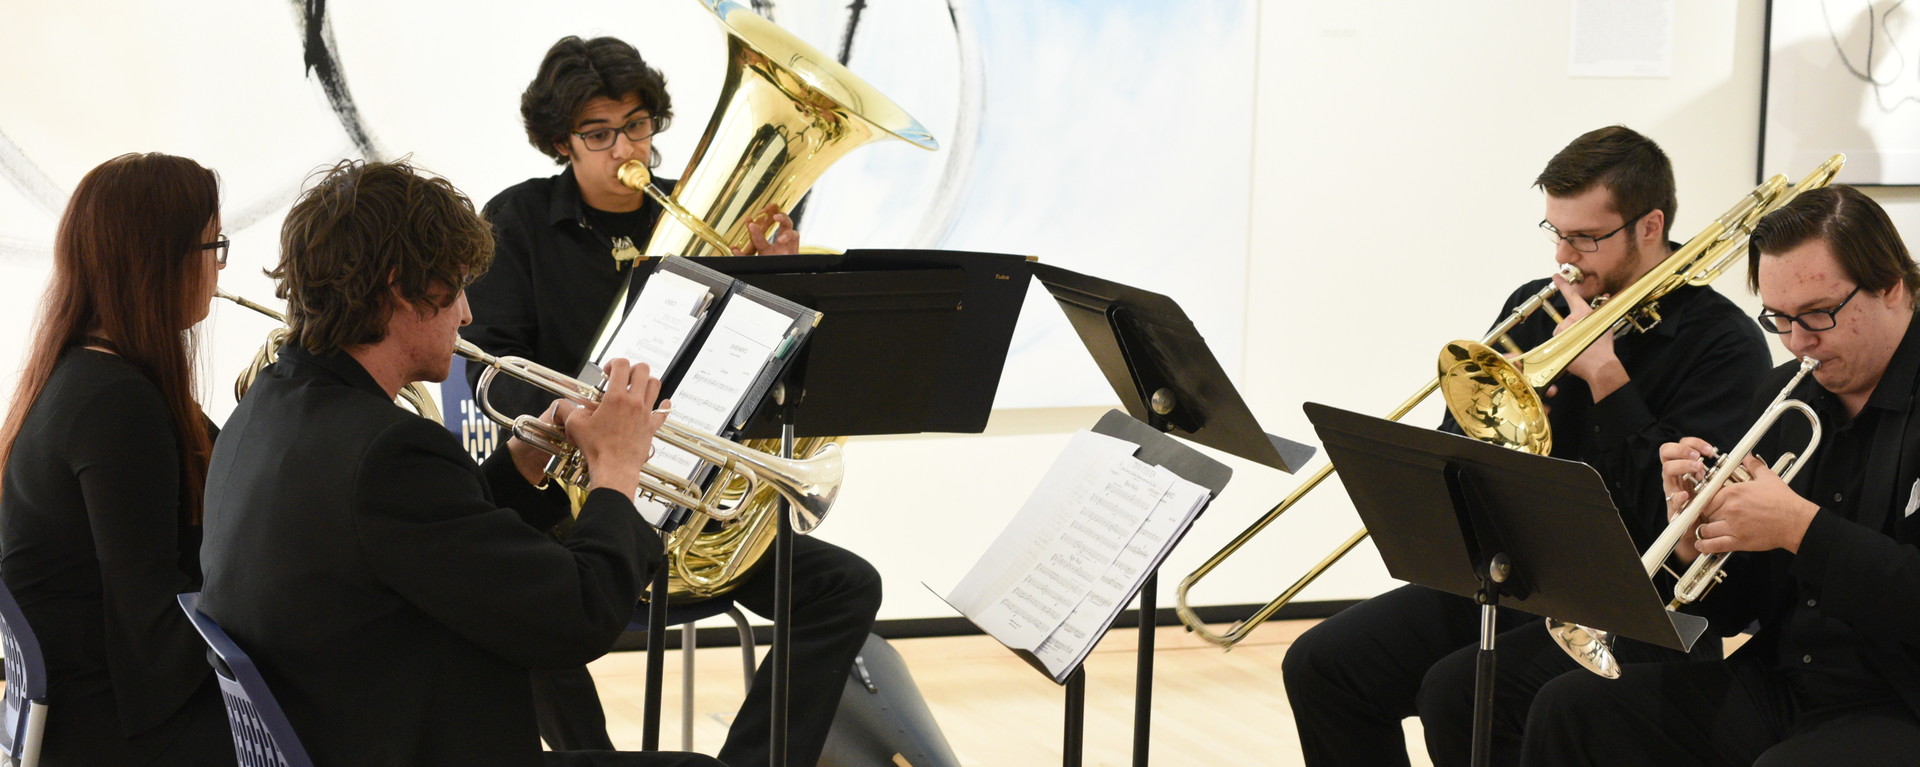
x=23 y=718
x=262 y=736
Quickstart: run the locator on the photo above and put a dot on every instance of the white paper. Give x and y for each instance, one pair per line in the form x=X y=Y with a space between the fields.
x=667 y=311
x=1621 y=38
x=1087 y=537
x=743 y=339
x=1071 y=642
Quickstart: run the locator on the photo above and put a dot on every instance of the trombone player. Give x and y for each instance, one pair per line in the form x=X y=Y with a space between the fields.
x=1410 y=652
x=1827 y=566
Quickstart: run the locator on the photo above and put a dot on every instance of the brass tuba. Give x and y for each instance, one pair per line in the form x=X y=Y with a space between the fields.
x=785 y=113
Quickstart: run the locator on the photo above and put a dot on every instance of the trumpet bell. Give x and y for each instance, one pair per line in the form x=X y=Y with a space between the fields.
x=1589 y=647
x=1491 y=400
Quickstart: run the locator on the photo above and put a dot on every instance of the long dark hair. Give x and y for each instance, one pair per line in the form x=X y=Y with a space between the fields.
x=127 y=266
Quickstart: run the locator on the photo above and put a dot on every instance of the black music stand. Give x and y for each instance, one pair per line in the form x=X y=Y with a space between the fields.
x=1485 y=522
x=1162 y=370
x=911 y=341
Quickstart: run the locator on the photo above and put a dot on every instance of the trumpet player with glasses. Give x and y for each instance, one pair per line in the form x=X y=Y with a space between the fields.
x=1411 y=651
x=563 y=251
x=1826 y=567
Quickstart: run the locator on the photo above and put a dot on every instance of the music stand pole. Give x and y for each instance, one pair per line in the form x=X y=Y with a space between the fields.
x=786 y=394
x=1457 y=515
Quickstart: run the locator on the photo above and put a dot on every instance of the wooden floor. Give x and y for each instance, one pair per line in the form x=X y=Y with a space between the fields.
x=1210 y=707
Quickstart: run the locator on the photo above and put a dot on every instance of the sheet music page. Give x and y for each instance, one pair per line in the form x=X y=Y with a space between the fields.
x=1171 y=516
x=1076 y=525
x=665 y=314
x=743 y=339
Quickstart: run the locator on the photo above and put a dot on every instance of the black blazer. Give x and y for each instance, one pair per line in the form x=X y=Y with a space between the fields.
x=1864 y=578
x=95 y=550
x=394 y=607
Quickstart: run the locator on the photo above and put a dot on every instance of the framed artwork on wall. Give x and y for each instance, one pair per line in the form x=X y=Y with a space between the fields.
x=1842 y=77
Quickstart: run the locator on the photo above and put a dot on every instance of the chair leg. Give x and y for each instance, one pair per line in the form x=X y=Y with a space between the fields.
x=687 y=643
x=746 y=643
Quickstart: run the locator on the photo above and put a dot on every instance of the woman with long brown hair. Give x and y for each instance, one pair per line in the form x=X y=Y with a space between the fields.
x=105 y=452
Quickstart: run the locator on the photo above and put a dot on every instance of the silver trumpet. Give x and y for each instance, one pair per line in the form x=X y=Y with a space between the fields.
x=1593 y=648
x=810 y=485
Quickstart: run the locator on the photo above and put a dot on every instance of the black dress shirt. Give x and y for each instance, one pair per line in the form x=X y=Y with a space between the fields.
x=1837 y=619
x=1691 y=375
x=95 y=548
x=553 y=280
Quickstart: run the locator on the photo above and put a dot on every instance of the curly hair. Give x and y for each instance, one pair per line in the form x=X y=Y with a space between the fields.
x=368 y=229
x=1629 y=164
x=1856 y=228
x=577 y=71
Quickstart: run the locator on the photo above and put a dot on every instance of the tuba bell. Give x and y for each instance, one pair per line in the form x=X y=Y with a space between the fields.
x=786 y=112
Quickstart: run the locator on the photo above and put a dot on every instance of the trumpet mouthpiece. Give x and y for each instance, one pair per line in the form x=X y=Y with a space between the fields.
x=1572 y=273
x=635 y=175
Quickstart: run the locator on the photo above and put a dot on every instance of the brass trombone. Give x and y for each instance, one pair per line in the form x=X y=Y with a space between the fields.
x=1593 y=648
x=1239 y=631
x=1497 y=399
x=1494 y=400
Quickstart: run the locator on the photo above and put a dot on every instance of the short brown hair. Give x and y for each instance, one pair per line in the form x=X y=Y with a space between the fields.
x=577 y=71
x=1855 y=227
x=364 y=226
x=1627 y=163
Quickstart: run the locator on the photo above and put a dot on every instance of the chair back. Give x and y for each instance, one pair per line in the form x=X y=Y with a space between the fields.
x=23 y=715
x=262 y=736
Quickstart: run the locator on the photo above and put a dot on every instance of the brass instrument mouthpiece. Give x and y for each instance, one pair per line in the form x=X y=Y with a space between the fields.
x=635 y=175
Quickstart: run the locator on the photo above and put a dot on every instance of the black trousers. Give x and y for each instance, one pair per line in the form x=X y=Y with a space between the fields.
x=1412 y=652
x=835 y=597
x=1730 y=713
x=83 y=728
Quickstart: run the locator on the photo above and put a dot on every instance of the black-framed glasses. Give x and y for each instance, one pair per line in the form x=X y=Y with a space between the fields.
x=641 y=129
x=1586 y=243
x=1816 y=320
x=219 y=248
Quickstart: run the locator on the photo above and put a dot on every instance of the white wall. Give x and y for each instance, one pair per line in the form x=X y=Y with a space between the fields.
x=1391 y=211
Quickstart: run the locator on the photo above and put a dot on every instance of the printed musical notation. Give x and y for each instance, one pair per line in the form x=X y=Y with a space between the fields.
x=1078 y=549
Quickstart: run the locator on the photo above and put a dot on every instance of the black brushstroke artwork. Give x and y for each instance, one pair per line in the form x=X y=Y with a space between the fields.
x=1877 y=25
x=853 y=25
x=323 y=63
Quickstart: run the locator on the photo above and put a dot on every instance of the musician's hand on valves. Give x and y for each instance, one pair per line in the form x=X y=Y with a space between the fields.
x=1598 y=365
x=784 y=243
x=530 y=460
x=1760 y=514
x=1682 y=465
x=616 y=436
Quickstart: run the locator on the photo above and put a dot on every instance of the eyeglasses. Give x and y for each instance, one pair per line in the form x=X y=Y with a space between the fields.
x=1816 y=320
x=639 y=130
x=1585 y=243
x=219 y=248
